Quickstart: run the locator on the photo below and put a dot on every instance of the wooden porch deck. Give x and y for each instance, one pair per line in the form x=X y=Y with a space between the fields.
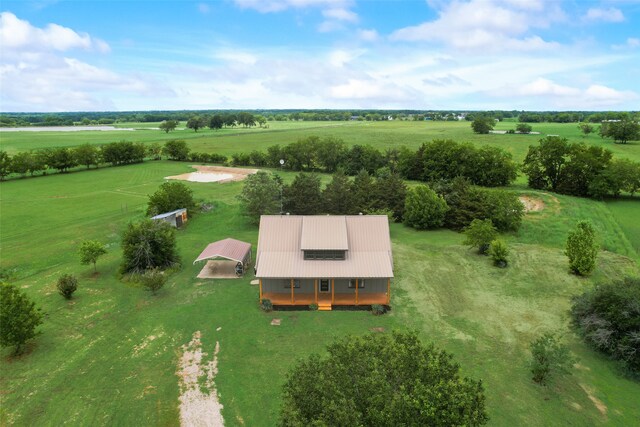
x=326 y=298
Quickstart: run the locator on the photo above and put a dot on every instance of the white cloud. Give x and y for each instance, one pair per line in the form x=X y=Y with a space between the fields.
x=340 y=14
x=17 y=34
x=368 y=35
x=606 y=15
x=494 y=25
x=544 y=87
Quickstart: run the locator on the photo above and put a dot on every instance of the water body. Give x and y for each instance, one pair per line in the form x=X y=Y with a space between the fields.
x=63 y=129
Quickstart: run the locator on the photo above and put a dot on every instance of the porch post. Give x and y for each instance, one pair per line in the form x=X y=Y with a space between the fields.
x=356 y=291
x=315 y=286
x=260 y=289
x=292 y=291
x=333 y=296
x=388 y=291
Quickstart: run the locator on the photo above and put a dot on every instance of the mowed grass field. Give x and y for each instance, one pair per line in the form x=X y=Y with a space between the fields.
x=110 y=355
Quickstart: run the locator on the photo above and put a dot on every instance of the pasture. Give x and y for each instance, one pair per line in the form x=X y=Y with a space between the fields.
x=110 y=355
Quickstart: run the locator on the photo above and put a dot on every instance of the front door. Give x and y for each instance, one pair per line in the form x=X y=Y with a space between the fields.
x=325 y=285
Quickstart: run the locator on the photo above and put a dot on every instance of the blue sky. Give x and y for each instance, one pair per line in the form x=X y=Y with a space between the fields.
x=346 y=54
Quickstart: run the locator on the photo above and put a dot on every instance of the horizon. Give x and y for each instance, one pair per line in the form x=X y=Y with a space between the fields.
x=62 y=56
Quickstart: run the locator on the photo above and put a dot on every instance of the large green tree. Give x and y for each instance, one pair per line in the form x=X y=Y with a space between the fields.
x=261 y=195
x=621 y=131
x=424 y=208
x=390 y=192
x=148 y=244
x=87 y=155
x=582 y=249
x=483 y=124
x=362 y=192
x=303 y=196
x=5 y=164
x=381 y=380
x=337 y=198
x=176 y=149
x=168 y=125
x=170 y=196
x=19 y=317
x=195 y=123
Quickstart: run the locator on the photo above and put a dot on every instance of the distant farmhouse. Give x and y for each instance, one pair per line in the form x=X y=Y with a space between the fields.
x=324 y=260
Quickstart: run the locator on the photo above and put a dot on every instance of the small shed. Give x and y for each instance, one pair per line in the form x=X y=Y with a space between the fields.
x=175 y=218
x=236 y=253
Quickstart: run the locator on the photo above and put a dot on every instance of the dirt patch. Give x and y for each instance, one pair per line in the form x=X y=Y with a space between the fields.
x=218 y=270
x=377 y=329
x=531 y=204
x=276 y=322
x=199 y=406
x=597 y=402
x=145 y=343
x=218 y=174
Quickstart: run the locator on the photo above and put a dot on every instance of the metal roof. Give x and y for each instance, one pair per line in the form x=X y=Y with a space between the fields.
x=324 y=232
x=232 y=249
x=280 y=246
x=168 y=214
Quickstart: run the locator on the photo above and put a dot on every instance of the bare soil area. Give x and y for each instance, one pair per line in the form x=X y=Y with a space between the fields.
x=220 y=174
x=218 y=270
x=531 y=204
x=199 y=406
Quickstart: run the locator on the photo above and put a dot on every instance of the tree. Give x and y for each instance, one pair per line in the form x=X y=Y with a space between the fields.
x=176 y=149
x=153 y=280
x=608 y=318
x=622 y=131
x=499 y=252
x=170 y=196
x=67 y=285
x=424 y=208
x=303 y=196
x=582 y=249
x=362 y=192
x=381 y=380
x=195 y=123
x=155 y=150
x=480 y=233
x=549 y=356
x=169 y=125
x=87 y=155
x=482 y=124
x=19 y=317
x=586 y=128
x=148 y=244
x=544 y=165
x=21 y=163
x=90 y=251
x=390 y=193
x=337 y=197
x=62 y=159
x=261 y=195
x=523 y=128
x=216 y=122
x=5 y=164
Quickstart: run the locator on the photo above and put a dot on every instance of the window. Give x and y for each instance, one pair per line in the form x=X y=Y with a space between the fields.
x=352 y=283
x=324 y=255
x=296 y=284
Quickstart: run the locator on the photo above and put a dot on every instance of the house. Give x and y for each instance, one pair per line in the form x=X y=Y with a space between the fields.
x=324 y=260
x=175 y=218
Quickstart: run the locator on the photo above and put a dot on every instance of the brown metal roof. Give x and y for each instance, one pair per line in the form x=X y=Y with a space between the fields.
x=232 y=249
x=324 y=232
x=280 y=246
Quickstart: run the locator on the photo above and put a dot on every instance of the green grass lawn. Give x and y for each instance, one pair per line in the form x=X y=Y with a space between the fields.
x=111 y=354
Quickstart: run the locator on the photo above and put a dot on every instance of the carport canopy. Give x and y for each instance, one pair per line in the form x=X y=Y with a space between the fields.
x=229 y=248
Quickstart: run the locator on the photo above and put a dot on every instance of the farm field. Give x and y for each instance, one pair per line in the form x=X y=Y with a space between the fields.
x=381 y=135
x=110 y=356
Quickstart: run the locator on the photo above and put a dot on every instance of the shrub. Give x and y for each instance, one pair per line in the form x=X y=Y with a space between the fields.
x=548 y=357
x=608 y=318
x=313 y=307
x=153 y=280
x=424 y=208
x=582 y=249
x=19 y=317
x=148 y=244
x=480 y=234
x=378 y=309
x=266 y=305
x=176 y=149
x=499 y=252
x=169 y=197
x=67 y=285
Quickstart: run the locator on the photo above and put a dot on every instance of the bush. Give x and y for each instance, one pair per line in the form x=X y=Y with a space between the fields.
x=19 y=317
x=176 y=149
x=378 y=309
x=548 y=357
x=480 y=234
x=313 y=307
x=148 y=244
x=153 y=280
x=381 y=380
x=67 y=285
x=266 y=305
x=424 y=208
x=499 y=252
x=608 y=318
x=582 y=249
x=170 y=196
